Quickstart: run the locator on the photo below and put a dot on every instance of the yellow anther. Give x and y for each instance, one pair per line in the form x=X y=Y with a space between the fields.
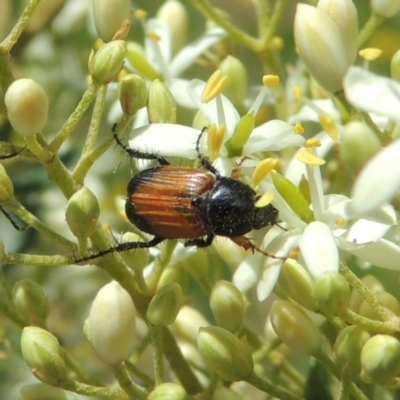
x=215 y=138
x=140 y=14
x=340 y=222
x=313 y=142
x=98 y=43
x=370 y=53
x=214 y=86
x=153 y=35
x=297 y=93
x=329 y=125
x=270 y=80
x=298 y=128
x=308 y=158
x=278 y=43
x=263 y=169
x=265 y=199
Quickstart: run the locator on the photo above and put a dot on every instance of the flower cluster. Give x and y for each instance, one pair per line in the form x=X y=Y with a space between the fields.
x=261 y=215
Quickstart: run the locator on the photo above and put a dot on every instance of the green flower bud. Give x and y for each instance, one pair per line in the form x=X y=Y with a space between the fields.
x=82 y=213
x=187 y=324
x=385 y=8
x=137 y=58
x=227 y=305
x=332 y=293
x=42 y=352
x=236 y=87
x=296 y=282
x=112 y=323
x=395 y=66
x=40 y=391
x=161 y=106
x=347 y=348
x=107 y=62
x=175 y=15
x=294 y=327
x=137 y=259
x=380 y=360
x=6 y=186
x=197 y=264
x=30 y=301
x=240 y=135
x=132 y=93
x=165 y=305
x=173 y=273
x=110 y=16
x=293 y=197
x=168 y=391
x=27 y=106
x=386 y=299
x=225 y=354
x=359 y=143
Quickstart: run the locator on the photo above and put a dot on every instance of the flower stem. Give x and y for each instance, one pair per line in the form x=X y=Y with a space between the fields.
x=134 y=391
x=156 y=338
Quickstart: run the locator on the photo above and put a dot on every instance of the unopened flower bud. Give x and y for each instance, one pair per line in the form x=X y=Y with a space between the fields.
x=332 y=293
x=187 y=324
x=385 y=8
x=167 y=391
x=137 y=58
x=294 y=327
x=296 y=282
x=27 y=106
x=236 y=87
x=30 y=301
x=110 y=17
x=107 y=62
x=132 y=93
x=40 y=391
x=227 y=305
x=359 y=143
x=82 y=213
x=175 y=15
x=112 y=323
x=161 y=106
x=380 y=360
x=42 y=352
x=326 y=39
x=293 y=197
x=347 y=348
x=386 y=299
x=225 y=354
x=165 y=305
x=395 y=65
x=6 y=186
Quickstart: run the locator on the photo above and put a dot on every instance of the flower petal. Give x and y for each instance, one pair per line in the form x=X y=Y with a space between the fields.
x=372 y=93
x=379 y=181
x=318 y=249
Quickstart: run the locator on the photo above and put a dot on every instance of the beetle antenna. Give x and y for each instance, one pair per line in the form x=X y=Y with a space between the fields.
x=246 y=243
x=204 y=162
x=11 y=155
x=12 y=222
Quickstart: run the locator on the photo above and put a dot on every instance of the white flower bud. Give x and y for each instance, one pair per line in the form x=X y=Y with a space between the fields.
x=385 y=8
x=27 y=106
x=112 y=323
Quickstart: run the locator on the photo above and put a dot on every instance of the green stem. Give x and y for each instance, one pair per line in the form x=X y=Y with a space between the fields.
x=94 y=391
x=382 y=311
x=19 y=210
x=6 y=76
x=78 y=370
x=134 y=391
x=132 y=368
x=271 y=390
x=156 y=338
x=74 y=118
x=345 y=386
x=20 y=26
x=390 y=327
x=268 y=32
x=36 y=260
x=235 y=33
x=369 y=28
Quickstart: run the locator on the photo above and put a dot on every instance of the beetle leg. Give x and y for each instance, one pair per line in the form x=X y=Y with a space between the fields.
x=123 y=247
x=200 y=242
x=204 y=162
x=135 y=153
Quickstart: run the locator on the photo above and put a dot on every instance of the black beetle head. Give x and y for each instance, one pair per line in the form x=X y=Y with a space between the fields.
x=264 y=216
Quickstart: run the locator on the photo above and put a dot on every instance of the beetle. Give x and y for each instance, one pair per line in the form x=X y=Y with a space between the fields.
x=173 y=202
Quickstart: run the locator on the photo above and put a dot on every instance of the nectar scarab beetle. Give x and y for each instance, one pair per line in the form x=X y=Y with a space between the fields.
x=172 y=202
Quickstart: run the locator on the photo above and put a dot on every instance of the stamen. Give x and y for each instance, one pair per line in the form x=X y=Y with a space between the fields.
x=329 y=126
x=270 y=80
x=214 y=86
x=263 y=169
x=298 y=128
x=308 y=158
x=264 y=200
x=215 y=139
